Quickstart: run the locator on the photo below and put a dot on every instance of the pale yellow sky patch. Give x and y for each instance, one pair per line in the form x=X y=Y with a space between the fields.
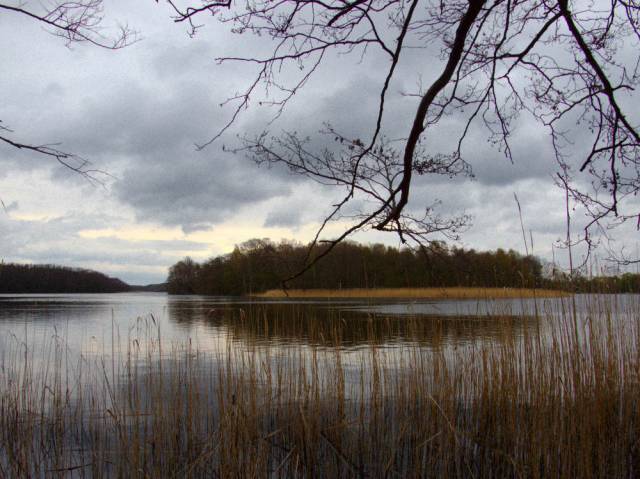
x=224 y=237
x=219 y=240
x=135 y=233
x=30 y=217
x=141 y=233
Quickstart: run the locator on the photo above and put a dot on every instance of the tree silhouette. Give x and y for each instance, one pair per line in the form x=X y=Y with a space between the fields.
x=571 y=66
x=258 y=265
x=47 y=278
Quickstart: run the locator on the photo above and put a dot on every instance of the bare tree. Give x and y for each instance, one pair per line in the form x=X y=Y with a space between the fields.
x=571 y=66
x=368 y=177
x=78 y=21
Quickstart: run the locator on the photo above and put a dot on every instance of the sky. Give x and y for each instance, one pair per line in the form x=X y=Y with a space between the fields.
x=138 y=113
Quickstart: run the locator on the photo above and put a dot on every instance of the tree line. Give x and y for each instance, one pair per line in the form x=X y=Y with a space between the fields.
x=623 y=283
x=29 y=278
x=260 y=264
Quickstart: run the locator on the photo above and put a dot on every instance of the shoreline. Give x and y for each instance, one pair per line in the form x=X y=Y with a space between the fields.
x=416 y=293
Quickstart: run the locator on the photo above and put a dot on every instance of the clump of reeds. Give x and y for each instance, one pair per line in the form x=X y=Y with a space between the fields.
x=421 y=293
x=559 y=401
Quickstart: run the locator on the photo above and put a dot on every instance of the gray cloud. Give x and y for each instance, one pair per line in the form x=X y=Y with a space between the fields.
x=13 y=206
x=145 y=133
x=57 y=240
x=137 y=113
x=286 y=217
x=149 y=118
x=194 y=194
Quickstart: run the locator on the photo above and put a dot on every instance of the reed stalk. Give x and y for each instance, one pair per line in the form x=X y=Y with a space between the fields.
x=561 y=401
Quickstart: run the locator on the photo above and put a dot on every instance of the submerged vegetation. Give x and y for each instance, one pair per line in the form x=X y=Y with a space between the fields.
x=558 y=398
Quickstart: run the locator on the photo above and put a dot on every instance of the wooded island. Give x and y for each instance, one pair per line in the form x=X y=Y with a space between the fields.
x=260 y=265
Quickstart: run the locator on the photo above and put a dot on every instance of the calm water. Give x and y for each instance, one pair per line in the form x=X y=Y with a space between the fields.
x=100 y=329
x=100 y=323
x=88 y=338
x=79 y=358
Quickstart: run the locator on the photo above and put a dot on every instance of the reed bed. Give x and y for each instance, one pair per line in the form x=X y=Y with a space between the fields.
x=558 y=400
x=416 y=293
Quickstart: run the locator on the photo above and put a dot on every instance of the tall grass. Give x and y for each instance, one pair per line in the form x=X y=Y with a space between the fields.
x=422 y=293
x=557 y=400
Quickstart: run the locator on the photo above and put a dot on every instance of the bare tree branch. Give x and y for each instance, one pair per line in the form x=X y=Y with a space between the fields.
x=466 y=22
x=76 y=21
x=564 y=65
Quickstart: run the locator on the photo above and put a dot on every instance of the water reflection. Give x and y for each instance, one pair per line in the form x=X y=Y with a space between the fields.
x=239 y=373
x=90 y=321
x=32 y=310
x=157 y=334
x=261 y=325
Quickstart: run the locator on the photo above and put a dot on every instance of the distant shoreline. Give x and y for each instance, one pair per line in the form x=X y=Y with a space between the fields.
x=416 y=293
x=16 y=278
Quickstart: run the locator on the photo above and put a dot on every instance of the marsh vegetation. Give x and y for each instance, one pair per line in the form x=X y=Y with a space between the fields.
x=297 y=390
x=419 y=293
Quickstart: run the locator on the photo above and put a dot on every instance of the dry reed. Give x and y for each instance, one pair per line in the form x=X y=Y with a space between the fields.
x=421 y=293
x=519 y=404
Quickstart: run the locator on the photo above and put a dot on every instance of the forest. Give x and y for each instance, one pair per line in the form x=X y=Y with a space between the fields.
x=46 y=278
x=258 y=265
x=261 y=264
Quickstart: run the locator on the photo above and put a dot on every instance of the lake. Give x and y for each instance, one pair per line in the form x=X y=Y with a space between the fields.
x=103 y=327
x=89 y=323
x=101 y=385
